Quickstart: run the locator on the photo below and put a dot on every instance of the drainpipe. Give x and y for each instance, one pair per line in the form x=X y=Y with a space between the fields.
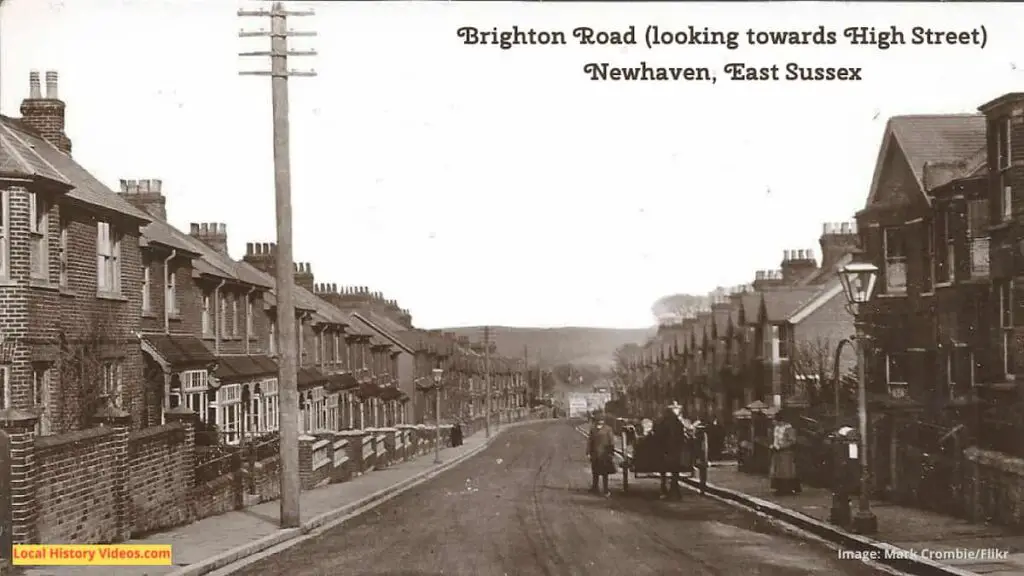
x=167 y=282
x=248 y=321
x=217 y=317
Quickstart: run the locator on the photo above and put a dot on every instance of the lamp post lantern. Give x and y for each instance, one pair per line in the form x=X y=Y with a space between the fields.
x=858 y=279
x=437 y=373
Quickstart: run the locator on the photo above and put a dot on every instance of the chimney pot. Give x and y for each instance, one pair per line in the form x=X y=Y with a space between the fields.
x=51 y=85
x=334 y=288
x=34 y=91
x=133 y=186
x=248 y=248
x=124 y=186
x=193 y=229
x=222 y=229
x=273 y=248
x=156 y=186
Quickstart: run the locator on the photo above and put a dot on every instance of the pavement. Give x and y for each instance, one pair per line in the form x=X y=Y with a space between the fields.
x=937 y=536
x=521 y=506
x=209 y=544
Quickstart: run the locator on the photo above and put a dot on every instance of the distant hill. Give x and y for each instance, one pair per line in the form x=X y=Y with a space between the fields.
x=579 y=346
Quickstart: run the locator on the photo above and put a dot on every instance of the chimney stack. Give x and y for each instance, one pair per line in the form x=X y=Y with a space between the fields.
x=262 y=257
x=46 y=115
x=304 y=275
x=797 y=265
x=837 y=240
x=213 y=234
x=146 y=195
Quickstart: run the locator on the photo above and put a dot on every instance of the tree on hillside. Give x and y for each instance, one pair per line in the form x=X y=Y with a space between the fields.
x=813 y=365
x=624 y=356
x=678 y=306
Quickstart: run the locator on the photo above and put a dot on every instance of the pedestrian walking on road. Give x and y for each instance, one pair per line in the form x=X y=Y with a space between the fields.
x=783 y=472
x=457 y=434
x=672 y=437
x=601 y=451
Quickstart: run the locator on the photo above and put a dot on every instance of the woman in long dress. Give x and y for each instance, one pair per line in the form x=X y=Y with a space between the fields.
x=783 y=473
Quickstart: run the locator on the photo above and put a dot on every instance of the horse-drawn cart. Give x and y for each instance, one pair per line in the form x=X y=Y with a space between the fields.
x=646 y=456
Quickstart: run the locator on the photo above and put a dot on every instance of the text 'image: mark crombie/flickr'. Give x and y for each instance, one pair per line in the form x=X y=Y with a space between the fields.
x=662 y=288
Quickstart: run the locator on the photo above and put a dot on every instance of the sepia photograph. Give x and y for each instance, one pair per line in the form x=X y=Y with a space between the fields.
x=524 y=288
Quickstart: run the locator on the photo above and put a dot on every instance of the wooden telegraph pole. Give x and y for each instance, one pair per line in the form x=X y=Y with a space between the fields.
x=288 y=360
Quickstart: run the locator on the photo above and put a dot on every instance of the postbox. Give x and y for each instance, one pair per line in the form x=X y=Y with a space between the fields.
x=845 y=444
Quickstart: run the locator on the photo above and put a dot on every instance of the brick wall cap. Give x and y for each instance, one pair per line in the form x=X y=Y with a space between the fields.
x=307 y=438
x=351 y=433
x=112 y=415
x=15 y=418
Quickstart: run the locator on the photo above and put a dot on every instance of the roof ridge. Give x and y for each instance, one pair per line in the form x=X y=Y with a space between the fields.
x=938 y=115
x=14 y=152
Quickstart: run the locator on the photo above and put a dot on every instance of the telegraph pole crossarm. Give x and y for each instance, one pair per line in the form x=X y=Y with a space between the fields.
x=285 y=279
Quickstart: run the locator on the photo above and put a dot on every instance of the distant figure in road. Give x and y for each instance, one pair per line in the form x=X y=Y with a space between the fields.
x=457 y=434
x=783 y=473
x=670 y=433
x=601 y=451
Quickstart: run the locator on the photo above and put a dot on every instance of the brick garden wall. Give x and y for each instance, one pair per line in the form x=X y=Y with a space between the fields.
x=159 y=481
x=76 y=487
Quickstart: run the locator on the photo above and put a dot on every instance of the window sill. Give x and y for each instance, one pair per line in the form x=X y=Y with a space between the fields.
x=893 y=295
x=943 y=285
x=66 y=293
x=175 y=316
x=149 y=315
x=43 y=284
x=111 y=296
x=1001 y=225
x=7 y=282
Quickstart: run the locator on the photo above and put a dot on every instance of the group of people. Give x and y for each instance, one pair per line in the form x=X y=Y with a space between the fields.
x=672 y=433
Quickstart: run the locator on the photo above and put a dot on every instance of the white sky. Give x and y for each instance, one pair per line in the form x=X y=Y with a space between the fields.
x=484 y=186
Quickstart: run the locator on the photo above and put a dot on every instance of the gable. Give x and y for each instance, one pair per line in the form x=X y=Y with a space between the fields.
x=896 y=184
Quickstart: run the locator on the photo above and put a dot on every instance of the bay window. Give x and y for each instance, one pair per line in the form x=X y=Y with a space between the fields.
x=229 y=412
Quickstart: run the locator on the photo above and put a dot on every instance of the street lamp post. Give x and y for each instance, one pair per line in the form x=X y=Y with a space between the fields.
x=858 y=279
x=437 y=372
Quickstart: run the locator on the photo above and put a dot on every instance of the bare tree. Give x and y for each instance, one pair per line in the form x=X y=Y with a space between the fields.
x=812 y=363
x=88 y=379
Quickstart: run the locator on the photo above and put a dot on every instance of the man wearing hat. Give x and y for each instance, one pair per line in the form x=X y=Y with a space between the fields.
x=671 y=434
x=601 y=451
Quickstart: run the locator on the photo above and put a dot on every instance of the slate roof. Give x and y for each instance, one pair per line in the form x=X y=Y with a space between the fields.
x=244 y=367
x=931 y=138
x=780 y=304
x=389 y=337
x=823 y=275
x=24 y=153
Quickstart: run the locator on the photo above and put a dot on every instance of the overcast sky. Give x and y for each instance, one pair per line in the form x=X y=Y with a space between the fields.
x=477 y=185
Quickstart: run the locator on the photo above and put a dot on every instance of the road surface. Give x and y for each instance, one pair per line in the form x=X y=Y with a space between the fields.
x=521 y=508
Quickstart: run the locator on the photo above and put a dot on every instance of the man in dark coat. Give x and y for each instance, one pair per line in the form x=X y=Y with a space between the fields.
x=601 y=451
x=457 y=434
x=671 y=437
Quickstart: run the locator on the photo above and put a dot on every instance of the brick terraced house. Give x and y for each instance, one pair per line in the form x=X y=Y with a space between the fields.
x=124 y=341
x=70 y=277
